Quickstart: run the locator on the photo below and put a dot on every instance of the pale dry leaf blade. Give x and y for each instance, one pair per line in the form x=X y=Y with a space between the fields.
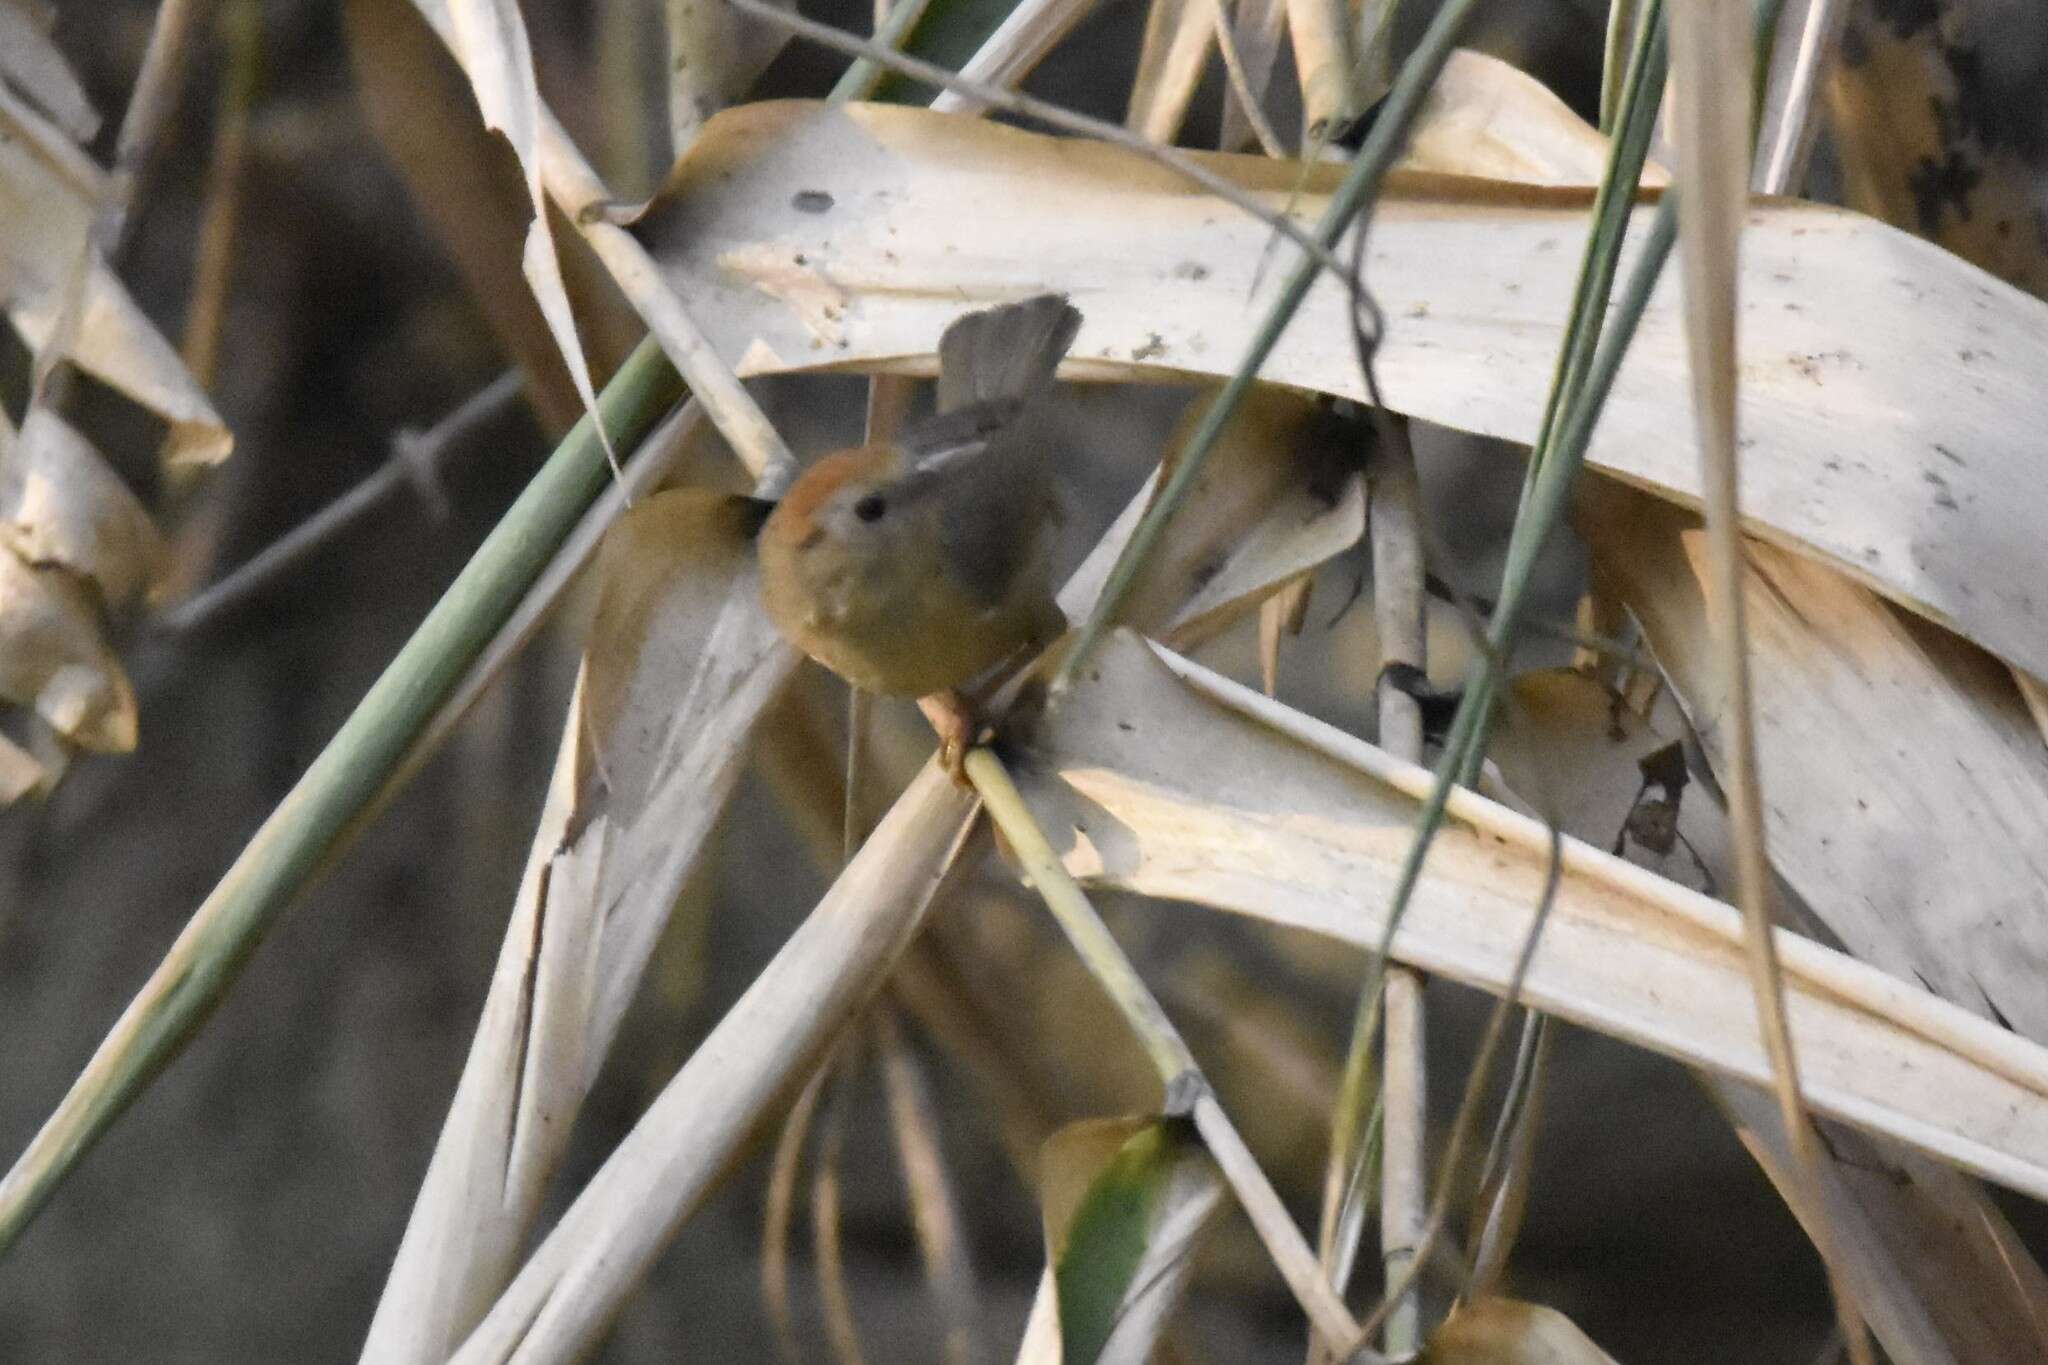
x=680 y=665
x=56 y=661
x=49 y=192
x=1496 y=1331
x=1489 y=118
x=572 y=1285
x=1465 y=271
x=1256 y=809
x=61 y=506
x=31 y=63
x=1907 y=784
x=20 y=774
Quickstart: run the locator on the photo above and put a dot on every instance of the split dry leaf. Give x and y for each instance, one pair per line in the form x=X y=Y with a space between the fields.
x=1170 y=781
x=818 y=238
x=1126 y=1205
x=1487 y=118
x=54 y=659
x=488 y=38
x=49 y=193
x=1907 y=788
x=1509 y=1332
x=680 y=664
x=31 y=63
x=62 y=507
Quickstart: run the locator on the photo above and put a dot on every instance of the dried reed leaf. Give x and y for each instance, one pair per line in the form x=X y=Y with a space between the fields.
x=1175 y=52
x=714 y=56
x=55 y=660
x=1173 y=782
x=573 y=1284
x=1847 y=323
x=1280 y=495
x=488 y=38
x=1126 y=1203
x=1907 y=786
x=1942 y=1275
x=1258 y=26
x=1325 y=58
x=31 y=63
x=49 y=193
x=681 y=662
x=62 y=507
x=1031 y=29
x=1488 y=118
x=1494 y=1331
x=20 y=773
x=421 y=108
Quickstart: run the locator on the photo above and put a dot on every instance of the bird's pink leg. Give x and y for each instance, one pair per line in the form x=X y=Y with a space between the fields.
x=952 y=717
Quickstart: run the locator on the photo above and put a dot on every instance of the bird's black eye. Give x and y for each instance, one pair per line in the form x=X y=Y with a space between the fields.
x=870 y=508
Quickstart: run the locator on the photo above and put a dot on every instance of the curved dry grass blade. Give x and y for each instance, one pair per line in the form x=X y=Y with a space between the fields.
x=571 y=1286
x=841 y=1328
x=934 y=1213
x=1504 y=1181
x=1710 y=43
x=1486 y=117
x=1256 y=35
x=1274 y=815
x=778 y=1207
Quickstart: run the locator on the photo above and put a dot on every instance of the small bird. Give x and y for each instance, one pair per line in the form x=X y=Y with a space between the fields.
x=913 y=566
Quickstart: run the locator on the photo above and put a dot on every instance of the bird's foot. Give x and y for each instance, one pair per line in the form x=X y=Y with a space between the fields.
x=952 y=716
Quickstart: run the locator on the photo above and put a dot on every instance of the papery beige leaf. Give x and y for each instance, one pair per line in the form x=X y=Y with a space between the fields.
x=680 y=664
x=49 y=191
x=1906 y=785
x=714 y=55
x=52 y=658
x=1927 y=1251
x=420 y=106
x=1171 y=781
x=1325 y=55
x=20 y=774
x=1486 y=117
x=31 y=63
x=571 y=1287
x=488 y=38
x=1942 y=1275
x=1280 y=494
x=1179 y=35
x=1847 y=325
x=1259 y=26
x=1509 y=1332
x=62 y=507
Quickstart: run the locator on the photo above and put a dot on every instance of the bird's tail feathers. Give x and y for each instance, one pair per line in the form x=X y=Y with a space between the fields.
x=1008 y=352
